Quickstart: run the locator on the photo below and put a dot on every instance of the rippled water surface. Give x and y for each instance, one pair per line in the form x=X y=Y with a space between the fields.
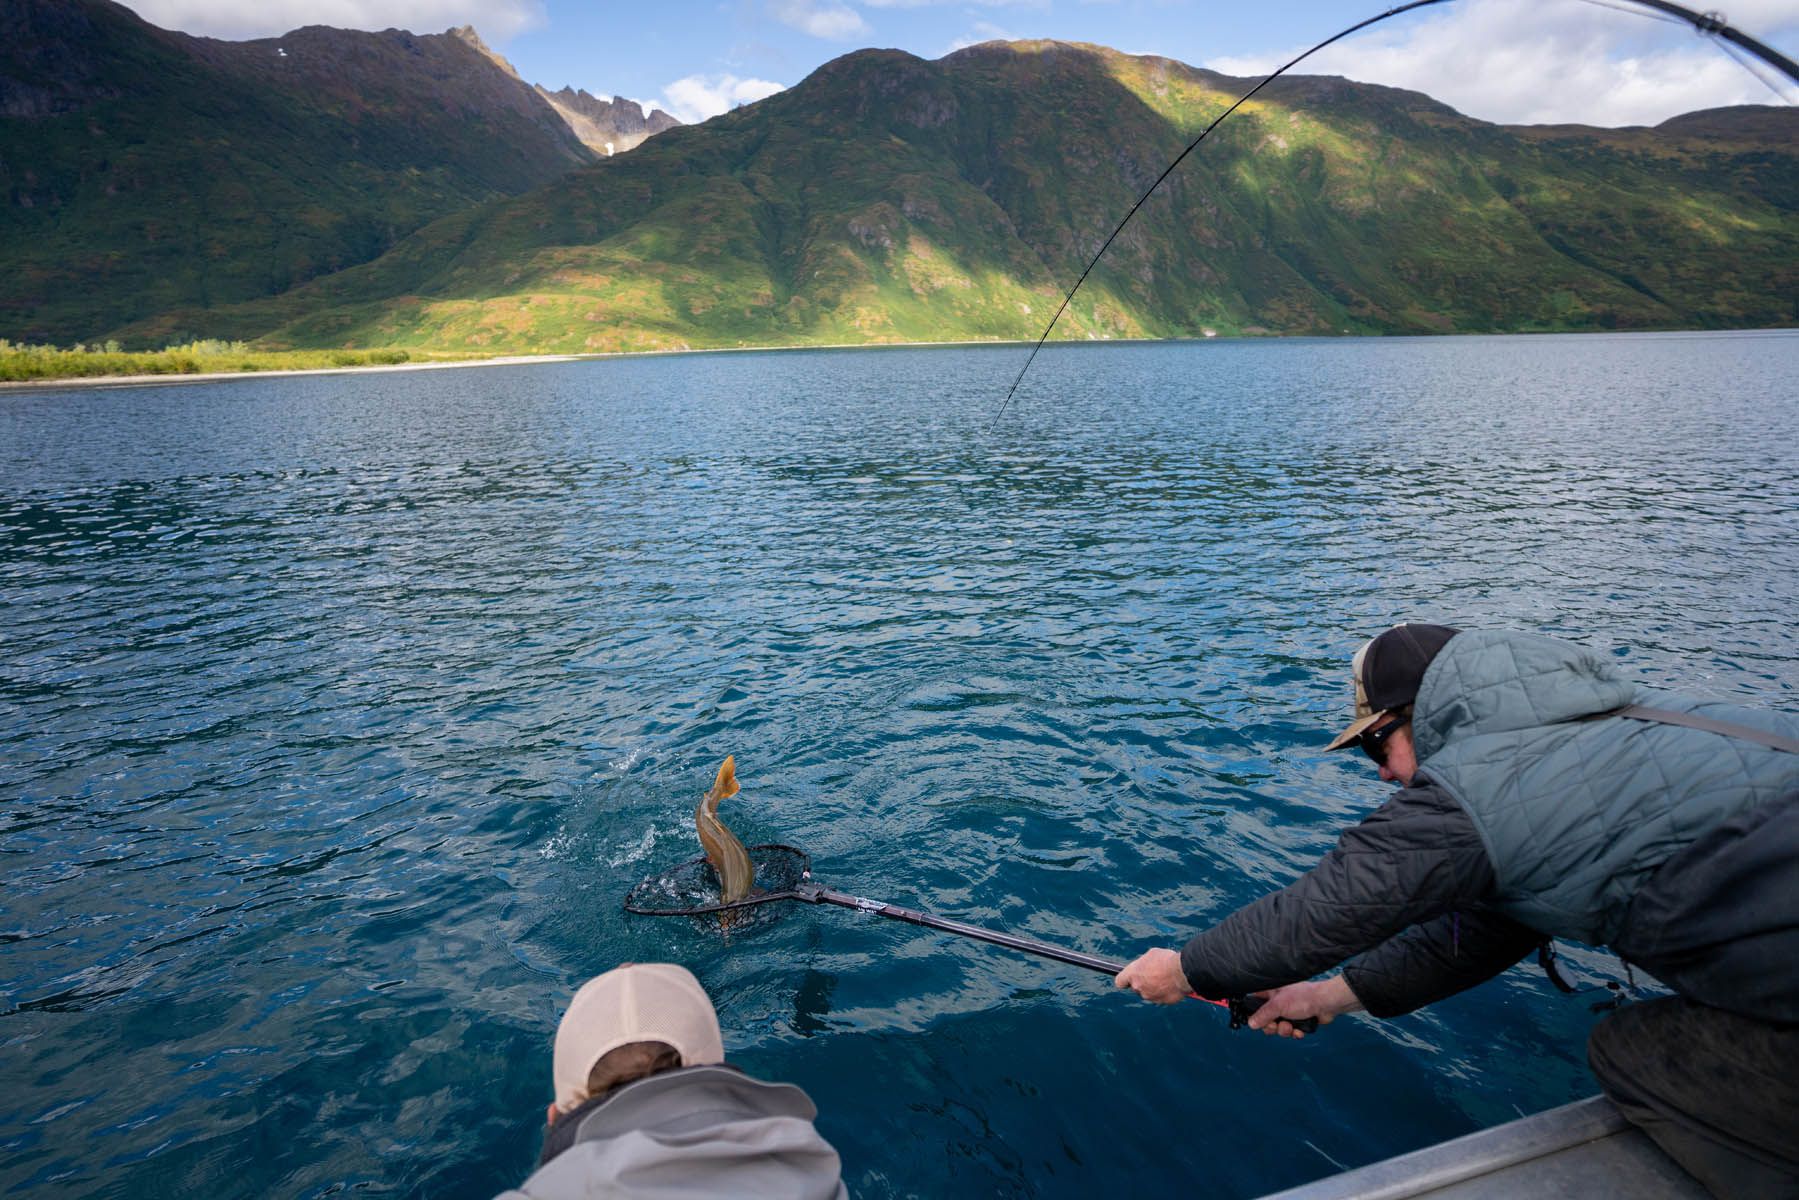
x=340 y=712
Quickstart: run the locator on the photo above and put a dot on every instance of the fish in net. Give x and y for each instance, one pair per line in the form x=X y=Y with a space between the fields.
x=692 y=888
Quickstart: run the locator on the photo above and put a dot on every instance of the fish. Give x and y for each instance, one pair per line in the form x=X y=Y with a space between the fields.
x=726 y=854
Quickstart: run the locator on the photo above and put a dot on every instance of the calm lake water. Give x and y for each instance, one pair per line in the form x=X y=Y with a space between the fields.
x=340 y=712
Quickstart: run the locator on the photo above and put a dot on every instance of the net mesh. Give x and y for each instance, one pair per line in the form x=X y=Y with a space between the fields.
x=691 y=889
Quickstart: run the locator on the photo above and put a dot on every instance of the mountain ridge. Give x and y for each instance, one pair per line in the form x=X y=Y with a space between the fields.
x=143 y=169
x=892 y=198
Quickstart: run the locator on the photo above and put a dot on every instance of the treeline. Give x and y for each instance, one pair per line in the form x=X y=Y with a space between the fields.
x=21 y=363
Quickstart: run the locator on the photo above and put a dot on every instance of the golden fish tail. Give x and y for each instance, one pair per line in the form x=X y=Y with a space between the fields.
x=723 y=848
x=725 y=785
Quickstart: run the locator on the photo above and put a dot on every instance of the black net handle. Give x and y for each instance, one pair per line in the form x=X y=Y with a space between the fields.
x=1239 y=1007
x=815 y=894
x=632 y=905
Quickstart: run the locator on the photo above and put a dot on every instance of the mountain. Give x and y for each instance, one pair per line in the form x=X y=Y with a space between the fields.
x=143 y=170
x=889 y=198
x=606 y=127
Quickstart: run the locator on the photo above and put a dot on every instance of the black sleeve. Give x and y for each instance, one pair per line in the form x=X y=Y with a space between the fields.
x=1415 y=857
x=1439 y=958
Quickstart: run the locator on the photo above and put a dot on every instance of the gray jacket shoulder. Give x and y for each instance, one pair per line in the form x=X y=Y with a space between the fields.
x=694 y=1134
x=1578 y=807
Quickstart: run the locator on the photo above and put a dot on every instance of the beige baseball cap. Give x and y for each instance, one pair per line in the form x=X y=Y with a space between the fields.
x=1365 y=713
x=1389 y=670
x=637 y=1002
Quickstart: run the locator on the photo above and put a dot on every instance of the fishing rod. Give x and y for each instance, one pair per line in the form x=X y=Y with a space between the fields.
x=1713 y=24
x=683 y=891
x=1709 y=24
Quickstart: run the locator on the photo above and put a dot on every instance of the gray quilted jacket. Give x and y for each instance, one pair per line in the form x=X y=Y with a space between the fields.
x=1532 y=816
x=697 y=1133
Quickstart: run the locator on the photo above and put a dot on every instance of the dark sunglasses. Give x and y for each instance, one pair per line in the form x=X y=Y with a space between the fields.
x=1374 y=742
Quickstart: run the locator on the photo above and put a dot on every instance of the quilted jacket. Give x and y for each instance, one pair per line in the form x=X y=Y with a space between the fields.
x=695 y=1133
x=1533 y=815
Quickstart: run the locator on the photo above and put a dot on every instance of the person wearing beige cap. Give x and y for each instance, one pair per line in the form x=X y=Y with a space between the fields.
x=646 y=1106
x=1543 y=794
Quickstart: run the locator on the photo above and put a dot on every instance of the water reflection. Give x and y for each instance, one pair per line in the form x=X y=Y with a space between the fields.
x=812 y=1002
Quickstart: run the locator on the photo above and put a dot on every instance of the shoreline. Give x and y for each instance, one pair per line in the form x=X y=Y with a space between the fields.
x=504 y=360
x=515 y=360
x=170 y=378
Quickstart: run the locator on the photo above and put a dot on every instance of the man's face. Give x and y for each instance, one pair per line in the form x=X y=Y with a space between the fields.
x=1401 y=762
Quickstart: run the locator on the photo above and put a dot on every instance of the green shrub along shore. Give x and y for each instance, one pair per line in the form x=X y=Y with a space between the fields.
x=22 y=363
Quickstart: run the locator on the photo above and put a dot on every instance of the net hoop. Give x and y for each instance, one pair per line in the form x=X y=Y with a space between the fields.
x=638 y=899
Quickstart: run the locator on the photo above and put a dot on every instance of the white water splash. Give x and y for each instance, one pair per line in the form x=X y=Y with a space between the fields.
x=638 y=852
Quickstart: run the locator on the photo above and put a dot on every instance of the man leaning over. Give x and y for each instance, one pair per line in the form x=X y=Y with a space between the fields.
x=1543 y=795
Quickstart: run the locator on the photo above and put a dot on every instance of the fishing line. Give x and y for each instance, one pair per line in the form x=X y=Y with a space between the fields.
x=1141 y=200
x=1713 y=26
x=1708 y=24
x=1749 y=65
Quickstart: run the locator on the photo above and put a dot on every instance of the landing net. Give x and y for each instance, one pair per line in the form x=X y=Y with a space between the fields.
x=692 y=890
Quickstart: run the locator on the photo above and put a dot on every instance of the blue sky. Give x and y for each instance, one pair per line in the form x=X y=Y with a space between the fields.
x=1600 y=62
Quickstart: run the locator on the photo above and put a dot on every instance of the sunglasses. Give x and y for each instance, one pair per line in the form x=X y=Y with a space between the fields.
x=1374 y=742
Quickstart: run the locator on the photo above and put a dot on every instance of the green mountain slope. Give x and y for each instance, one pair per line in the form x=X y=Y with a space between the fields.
x=142 y=170
x=888 y=198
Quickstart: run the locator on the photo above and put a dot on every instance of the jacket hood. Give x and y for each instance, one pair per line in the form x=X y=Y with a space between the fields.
x=1490 y=682
x=692 y=1134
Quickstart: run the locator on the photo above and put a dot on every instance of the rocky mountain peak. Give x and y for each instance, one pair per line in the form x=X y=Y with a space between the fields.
x=467 y=35
x=606 y=126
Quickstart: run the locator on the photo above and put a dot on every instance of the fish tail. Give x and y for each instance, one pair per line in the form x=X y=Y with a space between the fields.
x=725 y=786
x=730 y=861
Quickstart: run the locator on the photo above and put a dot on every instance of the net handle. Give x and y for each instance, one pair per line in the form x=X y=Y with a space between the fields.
x=912 y=916
x=1239 y=1007
x=813 y=893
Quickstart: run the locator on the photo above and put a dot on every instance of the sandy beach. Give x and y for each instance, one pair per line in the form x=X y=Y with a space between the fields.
x=83 y=381
x=509 y=360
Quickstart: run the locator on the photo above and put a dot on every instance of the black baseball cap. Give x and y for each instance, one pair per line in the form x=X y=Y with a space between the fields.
x=1388 y=670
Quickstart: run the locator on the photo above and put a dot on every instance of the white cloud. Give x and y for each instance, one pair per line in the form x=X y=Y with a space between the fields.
x=1526 y=62
x=827 y=19
x=698 y=97
x=495 y=20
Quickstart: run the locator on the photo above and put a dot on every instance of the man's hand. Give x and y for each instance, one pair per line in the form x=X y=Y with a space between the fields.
x=1156 y=976
x=1326 y=999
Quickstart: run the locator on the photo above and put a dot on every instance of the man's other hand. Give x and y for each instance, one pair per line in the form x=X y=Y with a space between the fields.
x=1325 y=999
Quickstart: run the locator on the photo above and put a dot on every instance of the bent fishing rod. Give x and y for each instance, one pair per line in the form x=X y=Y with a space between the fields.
x=668 y=894
x=1709 y=24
